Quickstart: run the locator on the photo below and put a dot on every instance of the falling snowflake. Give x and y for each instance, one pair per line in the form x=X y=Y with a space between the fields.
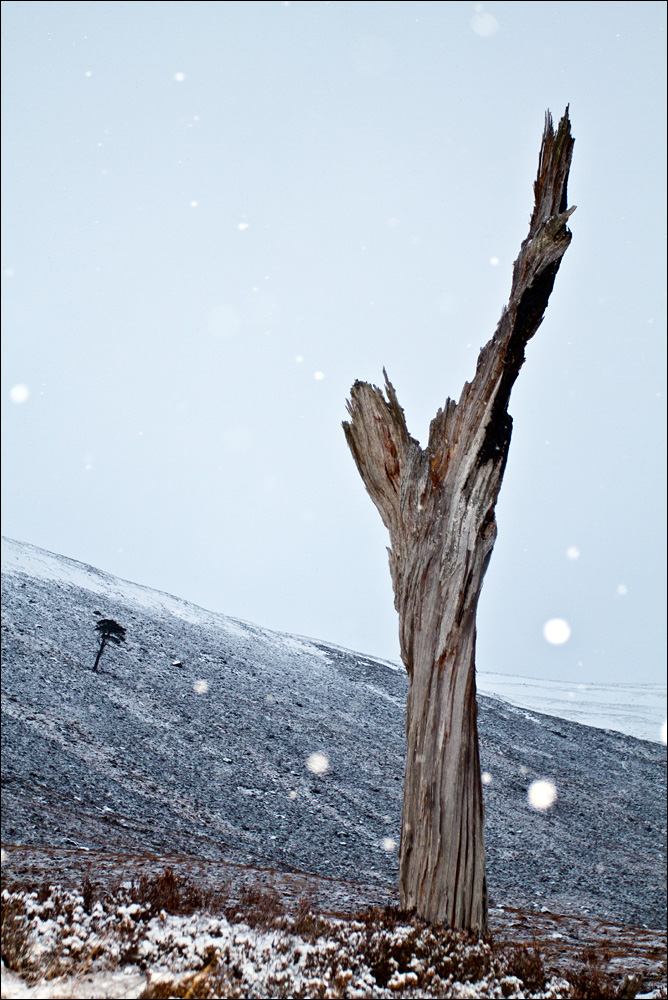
x=201 y=687
x=542 y=794
x=19 y=393
x=484 y=24
x=317 y=763
x=557 y=631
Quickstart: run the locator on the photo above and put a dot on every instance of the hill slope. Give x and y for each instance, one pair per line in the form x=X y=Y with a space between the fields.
x=195 y=738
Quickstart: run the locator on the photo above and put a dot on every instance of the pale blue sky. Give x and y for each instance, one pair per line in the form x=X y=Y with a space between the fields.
x=208 y=206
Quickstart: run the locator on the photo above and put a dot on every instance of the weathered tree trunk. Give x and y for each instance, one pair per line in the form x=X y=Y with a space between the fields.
x=438 y=506
x=100 y=651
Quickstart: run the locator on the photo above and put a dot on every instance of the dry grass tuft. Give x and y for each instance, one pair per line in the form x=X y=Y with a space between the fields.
x=590 y=982
x=169 y=893
x=14 y=934
x=307 y=924
x=527 y=964
x=259 y=908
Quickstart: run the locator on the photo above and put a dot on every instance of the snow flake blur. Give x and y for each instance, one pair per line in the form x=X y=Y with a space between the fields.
x=557 y=631
x=19 y=393
x=484 y=24
x=317 y=763
x=201 y=687
x=542 y=794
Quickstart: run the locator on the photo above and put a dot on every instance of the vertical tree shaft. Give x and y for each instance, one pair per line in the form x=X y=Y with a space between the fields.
x=100 y=651
x=438 y=506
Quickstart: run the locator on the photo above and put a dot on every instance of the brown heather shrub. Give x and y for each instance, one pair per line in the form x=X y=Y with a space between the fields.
x=590 y=982
x=386 y=940
x=307 y=924
x=527 y=965
x=43 y=892
x=167 y=892
x=386 y=917
x=448 y=953
x=385 y=956
x=630 y=986
x=260 y=908
x=198 y=987
x=217 y=979
x=161 y=991
x=14 y=934
x=476 y=963
x=88 y=894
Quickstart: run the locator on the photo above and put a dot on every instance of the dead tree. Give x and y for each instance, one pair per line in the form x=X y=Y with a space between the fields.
x=438 y=506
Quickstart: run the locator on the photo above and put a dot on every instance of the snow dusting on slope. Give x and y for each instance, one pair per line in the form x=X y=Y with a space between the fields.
x=636 y=709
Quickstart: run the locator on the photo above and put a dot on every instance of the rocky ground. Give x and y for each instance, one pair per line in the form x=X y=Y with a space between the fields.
x=195 y=741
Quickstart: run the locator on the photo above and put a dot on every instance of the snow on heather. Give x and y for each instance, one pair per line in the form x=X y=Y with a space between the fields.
x=343 y=959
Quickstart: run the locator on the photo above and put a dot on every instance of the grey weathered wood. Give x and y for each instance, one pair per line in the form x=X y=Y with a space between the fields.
x=438 y=506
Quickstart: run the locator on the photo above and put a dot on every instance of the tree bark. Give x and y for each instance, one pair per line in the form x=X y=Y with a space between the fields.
x=438 y=506
x=100 y=652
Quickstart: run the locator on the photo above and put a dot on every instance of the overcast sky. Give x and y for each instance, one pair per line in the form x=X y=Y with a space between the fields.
x=217 y=216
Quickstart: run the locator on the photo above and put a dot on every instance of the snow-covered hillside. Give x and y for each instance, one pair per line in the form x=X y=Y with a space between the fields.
x=636 y=709
x=209 y=737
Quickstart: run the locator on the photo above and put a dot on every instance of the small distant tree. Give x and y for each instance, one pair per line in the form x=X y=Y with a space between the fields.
x=110 y=631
